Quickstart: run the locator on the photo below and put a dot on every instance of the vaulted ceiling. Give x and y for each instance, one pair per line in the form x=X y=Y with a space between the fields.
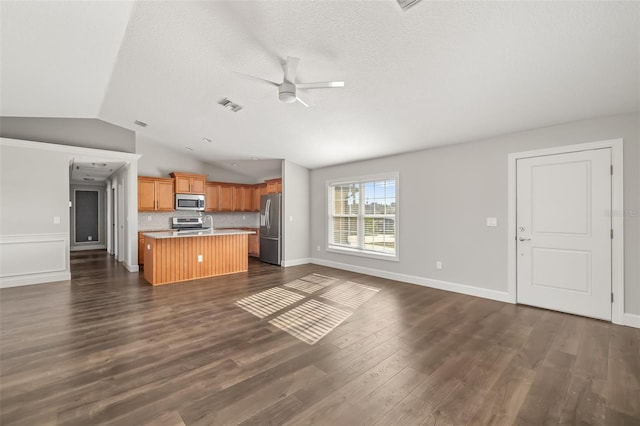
x=438 y=73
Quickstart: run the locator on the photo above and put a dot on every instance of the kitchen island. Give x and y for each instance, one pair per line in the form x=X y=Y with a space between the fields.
x=175 y=256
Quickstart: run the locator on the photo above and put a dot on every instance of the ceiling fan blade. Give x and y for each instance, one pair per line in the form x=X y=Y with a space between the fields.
x=290 y=68
x=302 y=102
x=273 y=83
x=320 y=85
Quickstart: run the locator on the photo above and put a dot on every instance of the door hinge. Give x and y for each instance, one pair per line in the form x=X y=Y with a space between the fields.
x=612 y=170
x=611 y=297
x=612 y=234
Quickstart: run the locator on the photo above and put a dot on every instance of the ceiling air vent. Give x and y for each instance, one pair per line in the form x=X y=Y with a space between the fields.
x=140 y=123
x=406 y=4
x=230 y=105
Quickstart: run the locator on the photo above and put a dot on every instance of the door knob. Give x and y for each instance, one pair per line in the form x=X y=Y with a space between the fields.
x=524 y=238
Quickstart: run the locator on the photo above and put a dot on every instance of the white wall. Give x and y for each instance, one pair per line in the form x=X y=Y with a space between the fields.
x=83 y=132
x=34 y=189
x=295 y=216
x=158 y=161
x=447 y=193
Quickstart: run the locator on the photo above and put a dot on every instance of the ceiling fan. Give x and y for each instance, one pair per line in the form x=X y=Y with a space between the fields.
x=288 y=89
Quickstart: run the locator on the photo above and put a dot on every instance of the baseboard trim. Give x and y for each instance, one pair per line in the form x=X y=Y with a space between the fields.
x=501 y=296
x=631 y=320
x=92 y=247
x=20 y=280
x=131 y=268
x=296 y=262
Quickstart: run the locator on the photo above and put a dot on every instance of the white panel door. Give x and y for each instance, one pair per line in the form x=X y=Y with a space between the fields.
x=564 y=232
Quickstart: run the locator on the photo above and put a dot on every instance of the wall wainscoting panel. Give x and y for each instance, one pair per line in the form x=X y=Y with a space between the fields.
x=33 y=259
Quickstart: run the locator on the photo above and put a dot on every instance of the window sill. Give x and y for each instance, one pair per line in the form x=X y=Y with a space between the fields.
x=371 y=255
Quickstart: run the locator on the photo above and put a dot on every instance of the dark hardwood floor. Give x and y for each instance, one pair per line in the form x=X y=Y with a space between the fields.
x=106 y=348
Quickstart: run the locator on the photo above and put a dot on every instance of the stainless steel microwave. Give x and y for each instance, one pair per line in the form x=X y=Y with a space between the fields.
x=193 y=202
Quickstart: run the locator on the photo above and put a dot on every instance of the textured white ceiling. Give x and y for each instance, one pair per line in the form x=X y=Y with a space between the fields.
x=439 y=73
x=57 y=57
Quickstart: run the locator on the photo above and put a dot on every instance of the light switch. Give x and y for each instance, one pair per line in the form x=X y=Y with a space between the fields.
x=56 y=220
x=290 y=218
x=492 y=221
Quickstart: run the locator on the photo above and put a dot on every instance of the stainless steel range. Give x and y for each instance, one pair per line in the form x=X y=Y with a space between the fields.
x=187 y=223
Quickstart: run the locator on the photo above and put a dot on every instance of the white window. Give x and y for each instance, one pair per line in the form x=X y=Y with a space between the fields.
x=363 y=216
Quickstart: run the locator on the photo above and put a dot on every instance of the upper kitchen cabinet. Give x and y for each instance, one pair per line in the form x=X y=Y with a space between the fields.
x=274 y=185
x=227 y=199
x=212 y=197
x=189 y=183
x=258 y=191
x=155 y=194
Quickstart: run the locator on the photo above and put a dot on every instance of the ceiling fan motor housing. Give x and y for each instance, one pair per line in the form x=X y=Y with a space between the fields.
x=287 y=92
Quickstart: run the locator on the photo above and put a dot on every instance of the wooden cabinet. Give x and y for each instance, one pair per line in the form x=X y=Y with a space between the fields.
x=155 y=194
x=141 y=245
x=254 y=243
x=226 y=198
x=258 y=191
x=238 y=198
x=189 y=183
x=212 y=197
x=274 y=185
x=140 y=249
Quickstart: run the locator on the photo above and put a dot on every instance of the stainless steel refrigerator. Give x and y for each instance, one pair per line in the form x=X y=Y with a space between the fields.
x=270 y=238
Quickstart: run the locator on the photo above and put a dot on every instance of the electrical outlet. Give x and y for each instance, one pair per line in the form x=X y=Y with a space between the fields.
x=89 y=238
x=244 y=217
x=56 y=220
x=148 y=218
x=492 y=221
x=290 y=218
x=199 y=258
x=438 y=265
x=318 y=248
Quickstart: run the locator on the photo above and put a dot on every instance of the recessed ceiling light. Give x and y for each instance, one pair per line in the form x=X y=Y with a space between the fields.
x=140 y=123
x=89 y=179
x=254 y=158
x=234 y=164
x=99 y=164
x=189 y=148
x=206 y=140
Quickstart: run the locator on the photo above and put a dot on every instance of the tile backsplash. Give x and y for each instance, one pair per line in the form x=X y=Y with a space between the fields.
x=156 y=221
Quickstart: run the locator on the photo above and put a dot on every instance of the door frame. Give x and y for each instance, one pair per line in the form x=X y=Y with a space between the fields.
x=617 y=222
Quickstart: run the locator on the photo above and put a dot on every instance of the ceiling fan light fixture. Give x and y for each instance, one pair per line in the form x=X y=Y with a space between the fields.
x=287 y=97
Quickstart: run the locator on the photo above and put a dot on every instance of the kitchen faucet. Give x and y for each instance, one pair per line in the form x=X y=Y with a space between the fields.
x=208 y=217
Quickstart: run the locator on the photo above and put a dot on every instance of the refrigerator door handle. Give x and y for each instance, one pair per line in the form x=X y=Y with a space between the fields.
x=268 y=214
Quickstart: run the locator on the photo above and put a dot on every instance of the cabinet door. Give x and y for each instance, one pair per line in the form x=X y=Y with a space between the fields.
x=279 y=187
x=254 y=245
x=140 y=248
x=212 y=198
x=249 y=203
x=238 y=198
x=198 y=185
x=165 y=195
x=146 y=195
x=183 y=184
x=226 y=198
x=271 y=187
x=256 y=199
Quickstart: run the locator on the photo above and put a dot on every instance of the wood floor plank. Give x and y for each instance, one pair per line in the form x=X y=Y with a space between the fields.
x=105 y=348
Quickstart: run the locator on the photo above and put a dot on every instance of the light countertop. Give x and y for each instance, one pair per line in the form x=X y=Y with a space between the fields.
x=196 y=233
